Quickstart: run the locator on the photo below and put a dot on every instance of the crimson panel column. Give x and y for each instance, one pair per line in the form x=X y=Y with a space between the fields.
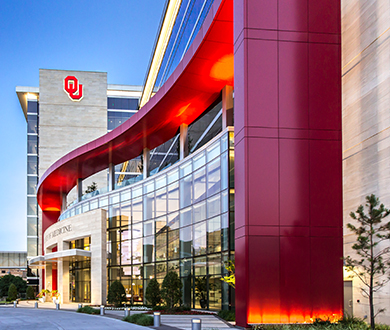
x=288 y=160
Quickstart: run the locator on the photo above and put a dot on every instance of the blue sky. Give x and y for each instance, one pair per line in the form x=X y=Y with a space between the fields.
x=115 y=36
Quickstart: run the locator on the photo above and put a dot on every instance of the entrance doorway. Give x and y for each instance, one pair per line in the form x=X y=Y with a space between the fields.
x=80 y=281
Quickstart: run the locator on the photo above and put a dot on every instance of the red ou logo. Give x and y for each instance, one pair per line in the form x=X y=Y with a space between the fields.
x=73 y=88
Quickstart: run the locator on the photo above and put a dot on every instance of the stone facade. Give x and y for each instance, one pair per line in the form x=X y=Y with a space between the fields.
x=65 y=125
x=366 y=122
x=91 y=224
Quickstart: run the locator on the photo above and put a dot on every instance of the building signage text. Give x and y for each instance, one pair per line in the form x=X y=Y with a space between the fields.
x=58 y=232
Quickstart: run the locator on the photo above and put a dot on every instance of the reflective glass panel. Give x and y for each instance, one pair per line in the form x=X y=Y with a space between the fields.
x=173 y=197
x=149 y=206
x=199 y=212
x=199 y=185
x=186 y=242
x=186 y=217
x=186 y=191
x=32 y=165
x=149 y=249
x=173 y=221
x=161 y=245
x=173 y=244
x=213 y=206
x=200 y=239
x=161 y=202
x=137 y=209
x=213 y=177
x=214 y=235
x=137 y=251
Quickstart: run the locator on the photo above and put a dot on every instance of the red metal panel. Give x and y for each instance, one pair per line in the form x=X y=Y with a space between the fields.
x=324 y=93
x=287 y=117
x=264 y=268
x=263 y=78
x=294 y=183
x=54 y=279
x=262 y=194
x=293 y=15
x=262 y=14
x=48 y=218
x=325 y=177
x=241 y=263
x=239 y=16
x=326 y=291
x=294 y=277
x=241 y=184
x=240 y=101
x=324 y=16
x=293 y=85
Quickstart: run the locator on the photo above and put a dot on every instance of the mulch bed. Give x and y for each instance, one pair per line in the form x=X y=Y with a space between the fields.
x=181 y=312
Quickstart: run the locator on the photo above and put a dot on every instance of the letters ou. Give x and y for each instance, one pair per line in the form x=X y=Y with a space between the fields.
x=73 y=88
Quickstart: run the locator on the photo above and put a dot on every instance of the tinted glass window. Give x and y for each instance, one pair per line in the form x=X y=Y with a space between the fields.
x=114 y=119
x=122 y=103
x=32 y=107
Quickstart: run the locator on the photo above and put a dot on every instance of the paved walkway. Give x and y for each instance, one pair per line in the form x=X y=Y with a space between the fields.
x=49 y=319
x=46 y=317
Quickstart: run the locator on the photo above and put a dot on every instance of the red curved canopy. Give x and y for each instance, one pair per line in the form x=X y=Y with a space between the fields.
x=196 y=82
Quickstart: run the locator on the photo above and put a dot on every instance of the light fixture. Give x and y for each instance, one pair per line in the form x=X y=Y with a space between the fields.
x=31 y=96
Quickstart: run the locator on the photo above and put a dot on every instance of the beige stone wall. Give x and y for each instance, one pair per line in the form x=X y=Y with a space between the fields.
x=90 y=224
x=366 y=119
x=65 y=125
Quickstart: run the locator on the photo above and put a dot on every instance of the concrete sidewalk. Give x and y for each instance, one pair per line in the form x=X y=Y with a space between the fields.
x=167 y=321
x=48 y=319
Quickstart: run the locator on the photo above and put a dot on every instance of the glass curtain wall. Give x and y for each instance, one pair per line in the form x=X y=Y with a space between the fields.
x=188 y=22
x=32 y=177
x=181 y=221
x=120 y=109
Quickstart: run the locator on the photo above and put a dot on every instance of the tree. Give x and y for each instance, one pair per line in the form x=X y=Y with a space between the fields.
x=201 y=290
x=91 y=188
x=30 y=292
x=116 y=293
x=171 y=290
x=153 y=293
x=372 y=261
x=12 y=292
x=6 y=280
x=231 y=278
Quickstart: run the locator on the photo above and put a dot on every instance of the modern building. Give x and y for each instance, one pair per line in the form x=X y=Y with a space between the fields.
x=14 y=263
x=241 y=158
x=56 y=126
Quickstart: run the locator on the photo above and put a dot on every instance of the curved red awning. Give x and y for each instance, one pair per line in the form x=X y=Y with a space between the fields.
x=196 y=82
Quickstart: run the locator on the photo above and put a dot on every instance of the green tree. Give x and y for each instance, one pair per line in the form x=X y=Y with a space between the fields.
x=171 y=290
x=116 y=293
x=30 y=292
x=153 y=293
x=92 y=187
x=372 y=261
x=201 y=290
x=231 y=278
x=12 y=292
x=6 y=280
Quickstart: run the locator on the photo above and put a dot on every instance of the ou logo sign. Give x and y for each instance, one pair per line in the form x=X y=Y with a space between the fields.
x=73 y=88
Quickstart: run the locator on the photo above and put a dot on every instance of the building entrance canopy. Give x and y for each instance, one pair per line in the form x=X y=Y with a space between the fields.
x=65 y=255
